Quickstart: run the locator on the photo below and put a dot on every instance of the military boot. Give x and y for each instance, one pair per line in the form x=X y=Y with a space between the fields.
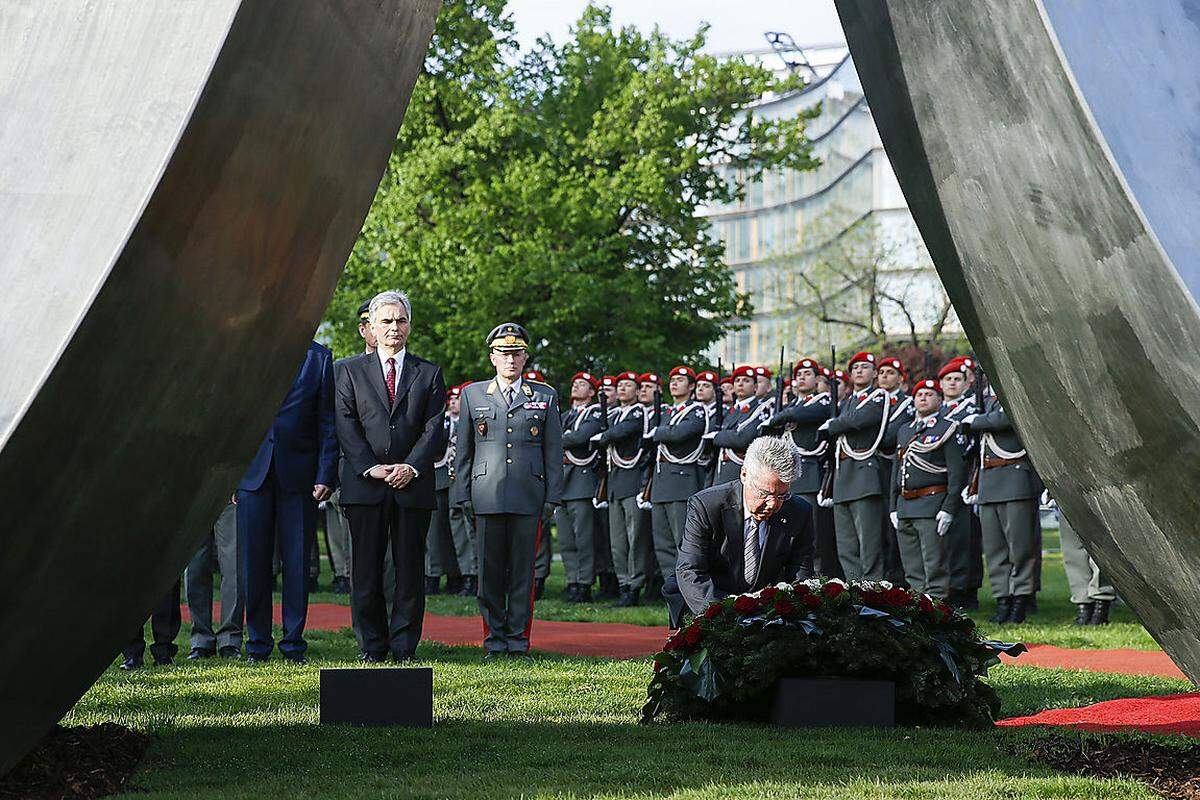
x=1084 y=617
x=1020 y=606
x=1100 y=612
x=1003 y=610
x=608 y=587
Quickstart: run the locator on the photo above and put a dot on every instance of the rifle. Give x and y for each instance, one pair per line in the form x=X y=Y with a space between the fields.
x=601 y=498
x=826 y=492
x=973 y=480
x=653 y=447
x=779 y=384
x=720 y=410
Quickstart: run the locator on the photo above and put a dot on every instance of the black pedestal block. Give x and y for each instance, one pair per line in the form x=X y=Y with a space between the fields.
x=822 y=702
x=377 y=696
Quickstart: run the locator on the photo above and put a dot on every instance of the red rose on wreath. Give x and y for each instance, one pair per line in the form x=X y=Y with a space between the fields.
x=768 y=594
x=783 y=606
x=926 y=604
x=872 y=598
x=801 y=589
x=833 y=590
x=811 y=600
x=713 y=610
x=671 y=643
x=897 y=597
x=691 y=635
x=746 y=604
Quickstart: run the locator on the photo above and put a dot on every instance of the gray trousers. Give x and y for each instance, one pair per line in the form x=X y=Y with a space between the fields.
x=923 y=554
x=627 y=535
x=602 y=545
x=668 y=520
x=1083 y=575
x=338 y=529
x=964 y=550
x=575 y=521
x=462 y=531
x=220 y=545
x=545 y=546
x=1010 y=545
x=507 y=543
x=858 y=525
x=440 y=556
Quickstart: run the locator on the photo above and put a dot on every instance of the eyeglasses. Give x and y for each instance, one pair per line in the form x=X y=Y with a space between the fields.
x=765 y=495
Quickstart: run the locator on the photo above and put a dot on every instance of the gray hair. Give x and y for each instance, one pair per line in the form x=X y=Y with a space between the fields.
x=773 y=454
x=390 y=298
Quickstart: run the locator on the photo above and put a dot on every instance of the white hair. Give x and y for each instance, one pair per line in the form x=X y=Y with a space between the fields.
x=773 y=454
x=390 y=298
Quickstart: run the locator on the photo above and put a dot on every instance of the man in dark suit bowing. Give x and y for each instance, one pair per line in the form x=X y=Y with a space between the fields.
x=389 y=424
x=747 y=534
x=295 y=468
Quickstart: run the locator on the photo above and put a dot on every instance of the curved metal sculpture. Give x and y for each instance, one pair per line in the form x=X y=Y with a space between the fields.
x=1048 y=153
x=180 y=184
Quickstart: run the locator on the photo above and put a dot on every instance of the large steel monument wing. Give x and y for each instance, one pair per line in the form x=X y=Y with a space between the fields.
x=180 y=184
x=1050 y=153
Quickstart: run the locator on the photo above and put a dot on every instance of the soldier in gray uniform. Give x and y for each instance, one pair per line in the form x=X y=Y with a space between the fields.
x=628 y=464
x=440 y=555
x=927 y=481
x=965 y=539
x=1009 y=489
x=1092 y=595
x=858 y=499
x=575 y=519
x=706 y=395
x=508 y=465
x=890 y=378
x=462 y=518
x=801 y=419
x=677 y=472
x=741 y=426
x=544 y=557
x=609 y=588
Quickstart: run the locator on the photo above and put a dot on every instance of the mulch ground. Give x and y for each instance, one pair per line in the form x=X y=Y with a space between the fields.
x=1169 y=768
x=74 y=763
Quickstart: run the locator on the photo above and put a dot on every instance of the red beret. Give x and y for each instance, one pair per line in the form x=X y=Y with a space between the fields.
x=534 y=375
x=927 y=384
x=728 y=379
x=955 y=365
x=687 y=372
x=763 y=372
x=627 y=375
x=650 y=377
x=453 y=391
x=841 y=375
x=608 y=380
x=707 y=375
x=862 y=357
x=895 y=364
x=744 y=371
x=586 y=376
x=808 y=363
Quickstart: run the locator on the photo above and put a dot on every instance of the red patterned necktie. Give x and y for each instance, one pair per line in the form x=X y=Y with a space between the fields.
x=391 y=380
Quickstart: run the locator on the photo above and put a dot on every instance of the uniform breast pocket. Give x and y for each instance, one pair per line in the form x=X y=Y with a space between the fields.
x=536 y=425
x=484 y=422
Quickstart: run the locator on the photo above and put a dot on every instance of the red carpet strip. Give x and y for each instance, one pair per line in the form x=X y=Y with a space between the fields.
x=1172 y=713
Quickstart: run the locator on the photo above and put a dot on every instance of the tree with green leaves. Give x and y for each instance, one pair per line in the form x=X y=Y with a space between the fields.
x=560 y=190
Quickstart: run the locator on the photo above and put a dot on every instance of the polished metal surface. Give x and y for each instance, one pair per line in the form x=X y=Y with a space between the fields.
x=180 y=184
x=1050 y=153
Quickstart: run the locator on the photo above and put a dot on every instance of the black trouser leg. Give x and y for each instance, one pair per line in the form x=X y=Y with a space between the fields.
x=408 y=530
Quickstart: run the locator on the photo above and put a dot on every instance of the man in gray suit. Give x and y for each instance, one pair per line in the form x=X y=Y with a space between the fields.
x=1009 y=489
x=220 y=545
x=576 y=517
x=508 y=464
x=858 y=510
x=677 y=471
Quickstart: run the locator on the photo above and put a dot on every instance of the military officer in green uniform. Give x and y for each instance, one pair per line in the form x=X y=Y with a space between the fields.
x=677 y=472
x=802 y=419
x=575 y=519
x=1009 y=490
x=628 y=466
x=508 y=465
x=858 y=501
x=928 y=476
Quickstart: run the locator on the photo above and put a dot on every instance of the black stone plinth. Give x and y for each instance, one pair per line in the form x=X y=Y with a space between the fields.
x=834 y=702
x=400 y=696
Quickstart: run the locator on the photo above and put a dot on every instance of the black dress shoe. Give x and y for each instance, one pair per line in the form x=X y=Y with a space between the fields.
x=1084 y=617
x=130 y=664
x=198 y=653
x=373 y=658
x=493 y=655
x=571 y=595
x=163 y=661
x=968 y=600
x=341 y=586
x=624 y=598
x=470 y=587
x=454 y=584
x=608 y=588
x=431 y=584
x=539 y=588
x=254 y=659
x=230 y=652
x=584 y=595
x=1100 y=612
x=516 y=655
x=1003 y=610
x=1020 y=607
x=295 y=658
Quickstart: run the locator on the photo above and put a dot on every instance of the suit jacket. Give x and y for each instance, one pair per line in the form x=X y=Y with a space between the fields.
x=301 y=442
x=711 y=559
x=508 y=459
x=373 y=431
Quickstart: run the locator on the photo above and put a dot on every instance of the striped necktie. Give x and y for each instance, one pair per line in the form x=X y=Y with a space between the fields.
x=751 y=551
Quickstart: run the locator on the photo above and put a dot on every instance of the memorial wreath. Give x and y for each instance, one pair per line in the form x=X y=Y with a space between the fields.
x=726 y=662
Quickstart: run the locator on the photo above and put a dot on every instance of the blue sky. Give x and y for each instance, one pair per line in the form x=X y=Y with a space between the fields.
x=735 y=25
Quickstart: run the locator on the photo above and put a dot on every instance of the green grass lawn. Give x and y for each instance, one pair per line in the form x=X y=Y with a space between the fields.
x=561 y=727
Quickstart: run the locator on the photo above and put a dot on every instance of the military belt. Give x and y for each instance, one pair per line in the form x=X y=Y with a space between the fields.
x=992 y=463
x=913 y=494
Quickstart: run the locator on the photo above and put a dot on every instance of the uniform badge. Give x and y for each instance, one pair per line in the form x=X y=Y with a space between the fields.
x=481 y=427
x=533 y=430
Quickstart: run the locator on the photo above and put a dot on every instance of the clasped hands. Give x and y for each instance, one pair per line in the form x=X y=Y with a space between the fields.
x=396 y=476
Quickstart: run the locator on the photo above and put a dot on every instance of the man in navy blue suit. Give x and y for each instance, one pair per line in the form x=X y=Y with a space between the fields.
x=295 y=468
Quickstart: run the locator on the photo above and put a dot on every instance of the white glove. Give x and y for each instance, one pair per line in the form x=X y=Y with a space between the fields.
x=968 y=498
x=823 y=501
x=710 y=435
x=1045 y=501
x=650 y=433
x=825 y=425
x=644 y=505
x=895 y=517
x=596 y=438
x=599 y=504
x=944 y=518
x=968 y=419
